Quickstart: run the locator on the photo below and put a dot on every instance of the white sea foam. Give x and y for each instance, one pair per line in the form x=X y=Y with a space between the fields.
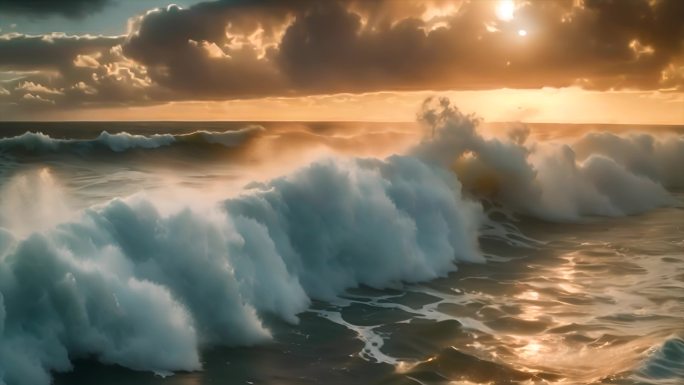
x=40 y=143
x=548 y=180
x=131 y=286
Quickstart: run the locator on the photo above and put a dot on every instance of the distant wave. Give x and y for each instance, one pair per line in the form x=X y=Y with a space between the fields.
x=598 y=175
x=39 y=143
x=655 y=157
x=131 y=284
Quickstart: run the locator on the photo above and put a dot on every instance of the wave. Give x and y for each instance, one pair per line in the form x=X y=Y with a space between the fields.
x=131 y=284
x=38 y=143
x=665 y=365
x=599 y=175
x=643 y=154
x=126 y=282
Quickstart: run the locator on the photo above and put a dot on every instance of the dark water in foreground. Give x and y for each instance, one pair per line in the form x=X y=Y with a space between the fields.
x=591 y=298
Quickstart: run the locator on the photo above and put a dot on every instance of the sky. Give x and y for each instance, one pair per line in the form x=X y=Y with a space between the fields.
x=575 y=61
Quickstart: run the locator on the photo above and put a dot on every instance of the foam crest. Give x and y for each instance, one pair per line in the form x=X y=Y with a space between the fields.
x=549 y=180
x=126 y=281
x=642 y=154
x=39 y=143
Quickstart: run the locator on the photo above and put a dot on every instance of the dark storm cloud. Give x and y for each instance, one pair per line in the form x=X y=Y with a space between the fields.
x=366 y=46
x=244 y=49
x=68 y=8
x=204 y=51
x=18 y=51
x=596 y=44
x=56 y=70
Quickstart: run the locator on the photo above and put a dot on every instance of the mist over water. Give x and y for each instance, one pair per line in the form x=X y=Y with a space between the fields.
x=356 y=253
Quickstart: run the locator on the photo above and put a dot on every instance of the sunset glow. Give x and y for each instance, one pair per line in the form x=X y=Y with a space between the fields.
x=133 y=74
x=341 y=192
x=505 y=10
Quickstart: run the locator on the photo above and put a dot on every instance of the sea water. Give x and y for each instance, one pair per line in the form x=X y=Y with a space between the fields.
x=341 y=253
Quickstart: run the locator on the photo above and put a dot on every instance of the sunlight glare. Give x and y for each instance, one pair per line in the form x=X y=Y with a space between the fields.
x=505 y=10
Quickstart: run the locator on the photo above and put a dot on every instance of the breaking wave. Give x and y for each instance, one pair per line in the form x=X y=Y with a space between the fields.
x=130 y=284
x=133 y=287
x=39 y=143
x=599 y=175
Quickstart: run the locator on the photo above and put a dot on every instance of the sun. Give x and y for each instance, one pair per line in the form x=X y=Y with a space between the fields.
x=505 y=10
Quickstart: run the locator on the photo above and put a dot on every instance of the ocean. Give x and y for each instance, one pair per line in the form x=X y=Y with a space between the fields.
x=448 y=252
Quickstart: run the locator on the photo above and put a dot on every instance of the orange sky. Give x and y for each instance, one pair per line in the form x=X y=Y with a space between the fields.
x=564 y=105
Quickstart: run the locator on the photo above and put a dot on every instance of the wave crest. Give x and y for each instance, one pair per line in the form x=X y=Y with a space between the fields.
x=550 y=180
x=39 y=143
x=126 y=282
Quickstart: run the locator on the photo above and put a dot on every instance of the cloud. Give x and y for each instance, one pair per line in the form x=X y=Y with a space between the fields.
x=353 y=47
x=87 y=61
x=236 y=50
x=211 y=50
x=51 y=51
x=334 y=47
x=38 y=88
x=37 y=99
x=67 y=8
x=79 y=69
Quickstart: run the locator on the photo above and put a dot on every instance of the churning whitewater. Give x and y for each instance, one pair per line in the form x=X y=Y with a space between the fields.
x=127 y=279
